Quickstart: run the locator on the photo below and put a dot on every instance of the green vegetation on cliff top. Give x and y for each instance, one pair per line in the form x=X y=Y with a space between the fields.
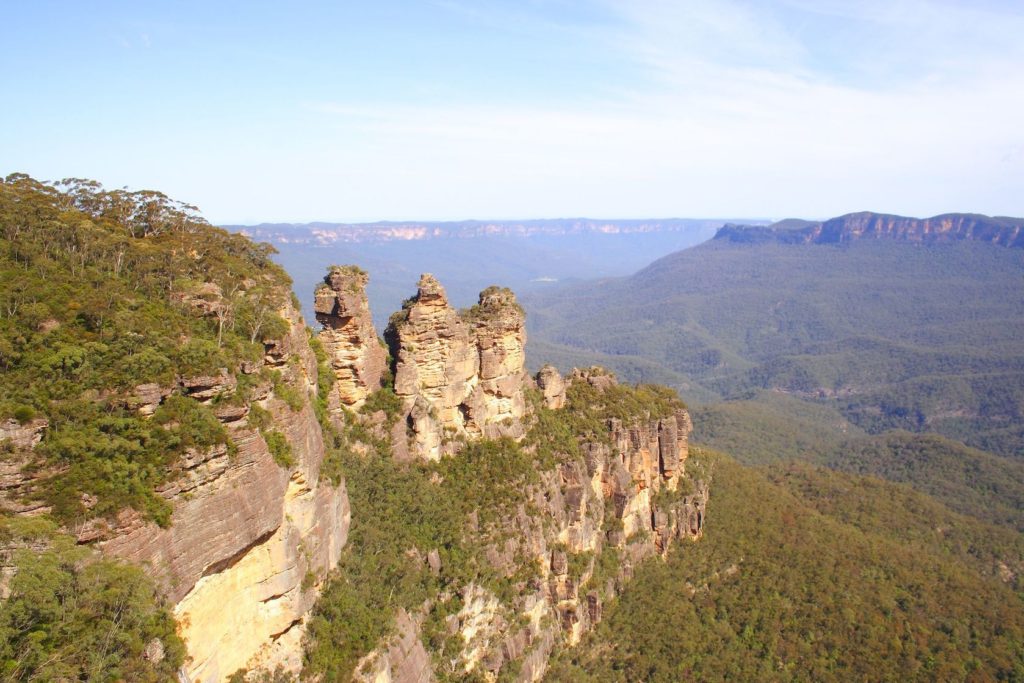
x=103 y=291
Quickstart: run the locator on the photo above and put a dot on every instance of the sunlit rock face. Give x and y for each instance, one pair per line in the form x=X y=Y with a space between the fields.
x=349 y=337
x=552 y=387
x=459 y=375
x=250 y=541
x=586 y=526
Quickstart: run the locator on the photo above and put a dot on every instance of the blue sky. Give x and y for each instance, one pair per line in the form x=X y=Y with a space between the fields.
x=449 y=109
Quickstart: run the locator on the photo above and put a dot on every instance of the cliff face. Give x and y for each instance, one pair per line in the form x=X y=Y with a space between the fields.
x=249 y=540
x=255 y=532
x=584 y=527
x=458 y=376
x=330 y=233
x=349 y=337
x=1007 y=232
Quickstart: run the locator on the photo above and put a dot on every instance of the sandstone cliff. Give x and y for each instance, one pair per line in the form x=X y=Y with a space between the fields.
x=458 y=375
x=249 y=540
x=579 y=533
x=348 y=337
x=1007 y=232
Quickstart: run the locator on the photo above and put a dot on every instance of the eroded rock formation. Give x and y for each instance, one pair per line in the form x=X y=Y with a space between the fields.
x=552 y=386
x=458 y=375
x=249 y=540
x=349 y=337
x=629 y=496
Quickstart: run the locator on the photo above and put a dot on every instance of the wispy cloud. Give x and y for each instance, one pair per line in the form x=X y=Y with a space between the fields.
x=738 y=111
x=490 y=108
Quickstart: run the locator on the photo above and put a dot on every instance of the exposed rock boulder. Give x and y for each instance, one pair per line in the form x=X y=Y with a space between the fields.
x=206 y=387
x=349 y=337
x=552 y=386
x=146 y=398
x=595 y=376
x=20 y=435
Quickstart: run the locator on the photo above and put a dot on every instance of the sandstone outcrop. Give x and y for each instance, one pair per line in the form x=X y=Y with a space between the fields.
x=349 y=337
x=27 y=435
x=552 y=387
x=630 y=494
x=458 y=375
x=249 y=540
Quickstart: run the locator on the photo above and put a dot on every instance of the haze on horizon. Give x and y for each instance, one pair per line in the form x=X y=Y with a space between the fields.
x=451 y=109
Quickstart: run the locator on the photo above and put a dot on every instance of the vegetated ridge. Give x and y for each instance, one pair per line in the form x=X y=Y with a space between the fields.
x=891 y=334
x=808 y=574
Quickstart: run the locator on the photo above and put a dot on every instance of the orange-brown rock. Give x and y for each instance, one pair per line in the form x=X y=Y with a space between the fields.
x=245 y=531
x=498 y=326
x=458 y=375
x=552 y=386
x=349 y=337
x=865 y=225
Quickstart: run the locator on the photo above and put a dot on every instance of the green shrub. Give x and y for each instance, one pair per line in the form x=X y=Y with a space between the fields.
x=24 y=414
x=384 y=400
x=293 y=398
x=279 y=448
x=196 y=425
x=259 y=418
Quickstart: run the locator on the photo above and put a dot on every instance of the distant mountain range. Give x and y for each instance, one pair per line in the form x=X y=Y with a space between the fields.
x=913 y=324
x=387 y=231
x=470 y=255
x=949 y=227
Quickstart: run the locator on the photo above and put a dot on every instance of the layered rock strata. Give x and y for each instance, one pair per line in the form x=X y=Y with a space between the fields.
x=946 y=228
x=552 y=387
x=349 y=337
x=249 y=540
x=629 y=496
x=459 y=375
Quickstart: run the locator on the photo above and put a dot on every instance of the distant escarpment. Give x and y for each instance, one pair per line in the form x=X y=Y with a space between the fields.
x=950 y=227
x=387 y=231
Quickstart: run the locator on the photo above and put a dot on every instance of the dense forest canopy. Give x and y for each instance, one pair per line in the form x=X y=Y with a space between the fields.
x=101 y=292
x=806 y=574
x=892 y=335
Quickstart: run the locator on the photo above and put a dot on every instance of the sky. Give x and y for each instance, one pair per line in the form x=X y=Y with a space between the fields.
x=455 y=109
